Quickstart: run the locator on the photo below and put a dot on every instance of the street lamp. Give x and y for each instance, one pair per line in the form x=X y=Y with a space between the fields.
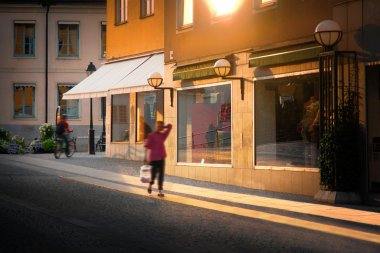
x=155 y=80
x=222 y=68
x=328 y=33
x=91 y=132
x=103 y=102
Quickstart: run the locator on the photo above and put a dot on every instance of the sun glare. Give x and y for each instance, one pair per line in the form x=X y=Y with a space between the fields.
x=224 y=7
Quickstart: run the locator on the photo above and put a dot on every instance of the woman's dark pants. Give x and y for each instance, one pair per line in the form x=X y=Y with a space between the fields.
x=158 y=167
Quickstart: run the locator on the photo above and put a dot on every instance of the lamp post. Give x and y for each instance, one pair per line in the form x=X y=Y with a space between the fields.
x=222 y=68
x=155 y=80
x=103 y=147
x=91 y=132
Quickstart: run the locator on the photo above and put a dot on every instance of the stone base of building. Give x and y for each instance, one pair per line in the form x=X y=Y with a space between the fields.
x=335 y=197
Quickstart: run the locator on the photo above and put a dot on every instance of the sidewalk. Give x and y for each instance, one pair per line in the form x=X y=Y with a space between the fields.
x=359 y=222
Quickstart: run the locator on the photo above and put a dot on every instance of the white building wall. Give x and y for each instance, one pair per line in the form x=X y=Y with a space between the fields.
x=61 y=70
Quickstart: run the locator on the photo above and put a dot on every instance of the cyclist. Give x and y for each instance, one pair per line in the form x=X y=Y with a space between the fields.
x=63 y=130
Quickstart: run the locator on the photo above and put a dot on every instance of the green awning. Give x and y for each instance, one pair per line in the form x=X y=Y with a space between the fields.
x=195 y=71
x=287 y=55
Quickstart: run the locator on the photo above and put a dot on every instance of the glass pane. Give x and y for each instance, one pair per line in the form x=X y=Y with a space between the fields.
x=149 y=110
x=29 y=39
x=103 y=40
x=19 y=38
x=29 y=101
x=224 y=7
x=120 y=117
x=204 y=125
x=24 y=101
x=185 y=13
x=287 y=121
x=18 y=104
x=73 y=40
x=62 y=40
x=68 y=107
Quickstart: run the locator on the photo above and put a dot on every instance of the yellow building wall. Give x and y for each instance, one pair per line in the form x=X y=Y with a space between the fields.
x=136 y=36
x=246 y=28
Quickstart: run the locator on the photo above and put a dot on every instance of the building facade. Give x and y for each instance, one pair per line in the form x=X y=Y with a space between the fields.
x=46 y=54
x=256 y=127
x=259 y=126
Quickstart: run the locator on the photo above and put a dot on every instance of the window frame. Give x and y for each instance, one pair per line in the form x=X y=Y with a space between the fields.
x=128 y=118
x=59 y=99
x=68 y=43
x=24 y=23
x=119 y=17
x=145 y=10
x=231 y=125
x=180 y=10
x=259 y=5
x=257 y=81
x=159 y=94
x=23 y=115
x=103 y=41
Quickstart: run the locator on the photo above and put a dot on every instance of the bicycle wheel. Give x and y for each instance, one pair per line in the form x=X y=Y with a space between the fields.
x=71 y=149
x=58 y=149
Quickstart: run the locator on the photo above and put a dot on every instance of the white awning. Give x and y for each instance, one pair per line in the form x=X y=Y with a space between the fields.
x=118 y=77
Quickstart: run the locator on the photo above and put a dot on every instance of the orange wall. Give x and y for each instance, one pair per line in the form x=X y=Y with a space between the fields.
x=247 y=28
x=138 y=35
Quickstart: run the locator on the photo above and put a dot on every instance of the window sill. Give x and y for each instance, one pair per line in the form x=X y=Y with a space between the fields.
x=68 y=58
x=205 y=165
x=295 y=169
x=24 y=118
x=147 y=16
x=121 y=23
x=24 y=57
x=184 y=29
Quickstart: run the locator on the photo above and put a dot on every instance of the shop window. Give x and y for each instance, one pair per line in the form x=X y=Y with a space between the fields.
x=287 y=121
x=121 y=11
x=24 y=101
x=68 y=40
x=120 y=118
x=150 y=109
x=147 y=8
x=184 y=14
x=69 y=107
x=103 y=39
x=24 y=37
x=204 y=125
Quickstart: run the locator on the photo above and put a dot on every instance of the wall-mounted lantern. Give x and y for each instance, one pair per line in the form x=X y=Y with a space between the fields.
x=222 y=68
x=328 y=33
x=155 y=80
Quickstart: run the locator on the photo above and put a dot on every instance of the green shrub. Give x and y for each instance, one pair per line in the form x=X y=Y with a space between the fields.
x=35 y=146
x=21 y=151
x=46 y=131
x=5 y=135
x=48 y=145
x=18 y=140
x=340 y=152
x=4 y=146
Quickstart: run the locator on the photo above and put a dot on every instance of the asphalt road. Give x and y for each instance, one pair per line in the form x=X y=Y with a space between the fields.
x=45 y=212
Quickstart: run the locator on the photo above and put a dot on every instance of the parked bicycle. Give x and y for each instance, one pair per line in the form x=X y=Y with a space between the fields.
x=60 y=147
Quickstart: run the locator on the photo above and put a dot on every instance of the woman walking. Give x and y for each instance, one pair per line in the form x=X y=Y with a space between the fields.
x=155 y=144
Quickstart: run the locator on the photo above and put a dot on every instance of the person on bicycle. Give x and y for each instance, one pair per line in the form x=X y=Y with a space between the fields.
x=63 y=130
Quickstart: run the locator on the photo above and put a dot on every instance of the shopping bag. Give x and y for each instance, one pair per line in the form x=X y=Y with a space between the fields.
x=145 y=173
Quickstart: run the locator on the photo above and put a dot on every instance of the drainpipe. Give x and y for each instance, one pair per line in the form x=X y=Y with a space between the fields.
x=46 y=59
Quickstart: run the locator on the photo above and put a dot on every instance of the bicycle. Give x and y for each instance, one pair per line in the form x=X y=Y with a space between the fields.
x=60 y=147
